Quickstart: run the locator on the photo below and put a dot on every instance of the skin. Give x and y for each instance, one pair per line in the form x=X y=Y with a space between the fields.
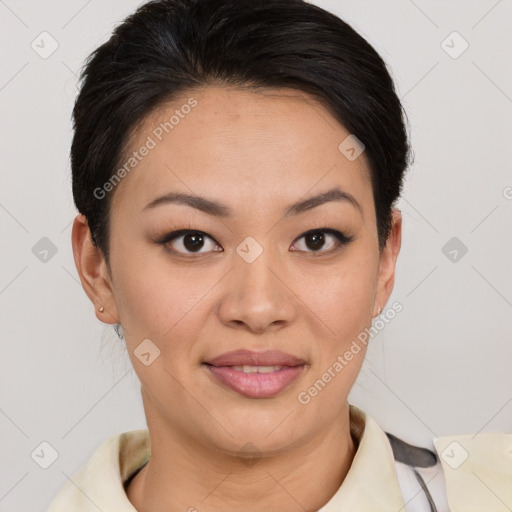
x=257 y=153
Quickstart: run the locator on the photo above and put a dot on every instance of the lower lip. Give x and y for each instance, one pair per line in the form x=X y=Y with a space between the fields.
x=256 y=385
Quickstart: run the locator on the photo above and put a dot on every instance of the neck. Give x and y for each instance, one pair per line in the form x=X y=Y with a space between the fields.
x=182 y=474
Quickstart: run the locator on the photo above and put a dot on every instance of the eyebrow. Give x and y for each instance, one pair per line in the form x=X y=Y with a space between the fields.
x=218 y=209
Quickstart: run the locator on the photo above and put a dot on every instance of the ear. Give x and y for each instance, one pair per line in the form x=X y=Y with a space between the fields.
x=93 y=271
x=388 y=258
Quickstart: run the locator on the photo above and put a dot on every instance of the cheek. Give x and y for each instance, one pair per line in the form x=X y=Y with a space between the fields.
x=343 y=297
x=159 y=301
x=148 y=294
x=154 y=304
x=344 y=305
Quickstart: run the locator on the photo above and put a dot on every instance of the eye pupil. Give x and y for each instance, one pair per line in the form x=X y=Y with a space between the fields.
x=193 y=241
x=317 y=239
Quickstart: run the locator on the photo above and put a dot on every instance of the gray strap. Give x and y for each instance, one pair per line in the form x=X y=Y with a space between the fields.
x=414 y=456
x=433 y=507
x=411 y=455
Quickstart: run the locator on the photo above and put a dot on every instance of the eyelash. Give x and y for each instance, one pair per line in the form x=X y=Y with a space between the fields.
x=342 y=240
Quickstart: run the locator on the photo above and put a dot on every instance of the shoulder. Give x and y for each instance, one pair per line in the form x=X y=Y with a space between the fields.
x=478 y=471
x=465 y=473
x=99 y=483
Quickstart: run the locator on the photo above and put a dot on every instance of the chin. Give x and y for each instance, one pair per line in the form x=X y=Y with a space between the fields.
x=270 y=432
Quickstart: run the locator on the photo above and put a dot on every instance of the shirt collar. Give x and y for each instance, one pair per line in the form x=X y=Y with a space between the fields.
x=370 y=484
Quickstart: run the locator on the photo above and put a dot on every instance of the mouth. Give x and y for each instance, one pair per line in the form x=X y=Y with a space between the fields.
x=256 y=374
x=257 y=369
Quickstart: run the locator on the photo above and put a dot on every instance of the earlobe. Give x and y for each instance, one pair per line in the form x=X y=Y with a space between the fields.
x=92 y=270
x=388 y=259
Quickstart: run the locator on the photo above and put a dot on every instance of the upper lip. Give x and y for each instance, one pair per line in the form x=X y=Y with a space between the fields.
x=244 y=357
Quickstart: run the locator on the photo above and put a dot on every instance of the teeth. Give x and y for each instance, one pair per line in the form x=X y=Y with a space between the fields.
x=268 y=369
x=257 y=369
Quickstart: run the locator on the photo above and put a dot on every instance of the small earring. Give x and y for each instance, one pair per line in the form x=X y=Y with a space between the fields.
x=101 y=309
x=380 y=310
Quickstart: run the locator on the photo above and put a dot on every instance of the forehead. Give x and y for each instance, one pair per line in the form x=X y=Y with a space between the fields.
x=252 y=146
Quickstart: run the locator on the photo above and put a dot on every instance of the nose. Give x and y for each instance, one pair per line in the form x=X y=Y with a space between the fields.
x=258 y=295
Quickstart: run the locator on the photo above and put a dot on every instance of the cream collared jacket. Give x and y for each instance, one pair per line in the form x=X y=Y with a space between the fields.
x=473 y=474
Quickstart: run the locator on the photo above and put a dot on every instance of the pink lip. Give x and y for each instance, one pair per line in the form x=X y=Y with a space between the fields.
x=247 y=357
x=256 y=385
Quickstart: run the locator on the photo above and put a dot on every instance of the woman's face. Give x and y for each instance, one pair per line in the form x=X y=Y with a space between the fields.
x=251 y=280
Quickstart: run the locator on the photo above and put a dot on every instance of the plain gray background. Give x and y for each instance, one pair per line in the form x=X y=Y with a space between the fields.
x=442 y=366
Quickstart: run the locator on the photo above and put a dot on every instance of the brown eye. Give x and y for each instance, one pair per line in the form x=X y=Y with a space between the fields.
x=315 y=241
x=190 y=242
x=322 y=241
x=193 y=241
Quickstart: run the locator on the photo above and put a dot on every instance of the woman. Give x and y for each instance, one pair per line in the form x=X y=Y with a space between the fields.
x=236 y=166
